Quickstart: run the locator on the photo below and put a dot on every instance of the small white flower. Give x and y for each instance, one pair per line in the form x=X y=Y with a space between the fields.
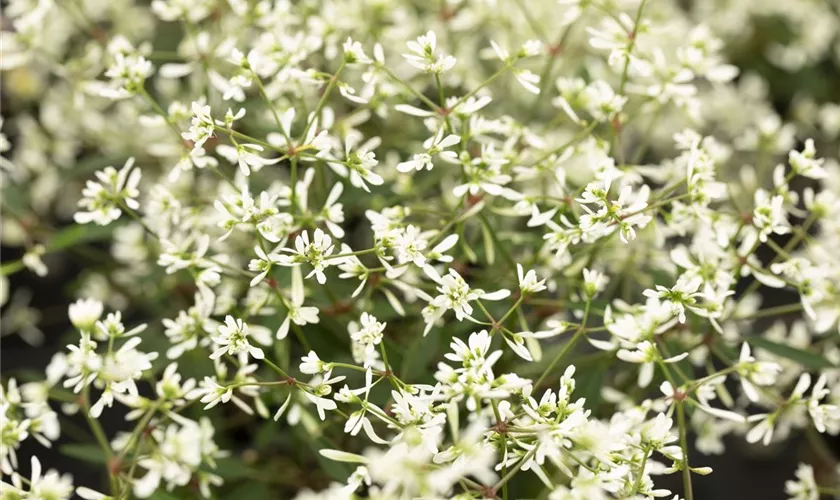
x=32 y=260
x=594 y=282
x=232 y=339
x=354 y=53
x=316 y=253
x=528 y=282
x=754 y=372
x=422 y=55
x=803 y=162
x=103 y=201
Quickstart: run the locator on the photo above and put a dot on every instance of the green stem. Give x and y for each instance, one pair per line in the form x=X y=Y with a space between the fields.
x=428 y=102
x=511 y=310
x=686 y=472
x=442 y=98
x=323 y=101
x=294 y=185
x=567 y=348
x=773 y=311
x=638 y=482
x=95 y=427
x=139 y=428
x=276 y=368
x=268 y=102
x=538 y=30
x=583 y=134
x=512 y=472
x=483 y=84
x=630 y=46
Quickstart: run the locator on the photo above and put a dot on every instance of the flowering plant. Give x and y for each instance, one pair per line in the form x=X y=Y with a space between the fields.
x=368 y=249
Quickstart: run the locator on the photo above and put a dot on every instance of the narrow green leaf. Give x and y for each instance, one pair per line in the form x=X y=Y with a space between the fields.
x=162 y=494
x=79 y=233
x=231 y=468
x=9 y=268
x=252 y=490
x=87 y=452
x=489 y=249
x=805 y=358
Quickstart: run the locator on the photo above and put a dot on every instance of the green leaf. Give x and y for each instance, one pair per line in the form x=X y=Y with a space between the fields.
x=489 y=250
x=589 y=384
x=804 y=358
x=9 y=268
x=87 y=452
x=255 y=490
x=231 y=468
x=79 y=233
x=163 y=495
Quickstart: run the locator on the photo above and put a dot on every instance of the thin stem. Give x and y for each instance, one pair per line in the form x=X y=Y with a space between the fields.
x=99 y=434
x=323 y=101
x=773 y=311
x=268 y=102
x=583 y=134
x=567 y=348
x=483 y=84
x=159 y=110
x=511 y=310
x=294 y=185
x=519 y=465
x=276 y=368
x=95 y=427
x=686 y=472
x=638 y=482
x=139 y=428
x=548 y=67
x=538 y=30
x=428 y=102
x=630 y=46
x=442 y=98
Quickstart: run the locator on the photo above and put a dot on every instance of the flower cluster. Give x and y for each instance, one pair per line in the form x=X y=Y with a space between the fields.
x=531 y=249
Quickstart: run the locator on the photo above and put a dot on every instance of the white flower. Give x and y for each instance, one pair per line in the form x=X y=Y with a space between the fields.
x=803 y=163
x=358 y=166
x=233 y=339
x=410 y=245
x=647 y=355
x=594 y=282
x=683 y=295
x=805 y=485
x=754 y=372
x=128 y=73
x=422 y=55
x=316 y=253
x=368 y=334
x=49 y=486
x=769 y=215
x=530 y=81
x=528 y=282
x=202 y=126
x=354 y=53
x=826 y=417
x=435 y=145
x=243 y=154
x=32 y=260
x=103 y=201
x=262 y=264
x=311 y=364
x=298 y=313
